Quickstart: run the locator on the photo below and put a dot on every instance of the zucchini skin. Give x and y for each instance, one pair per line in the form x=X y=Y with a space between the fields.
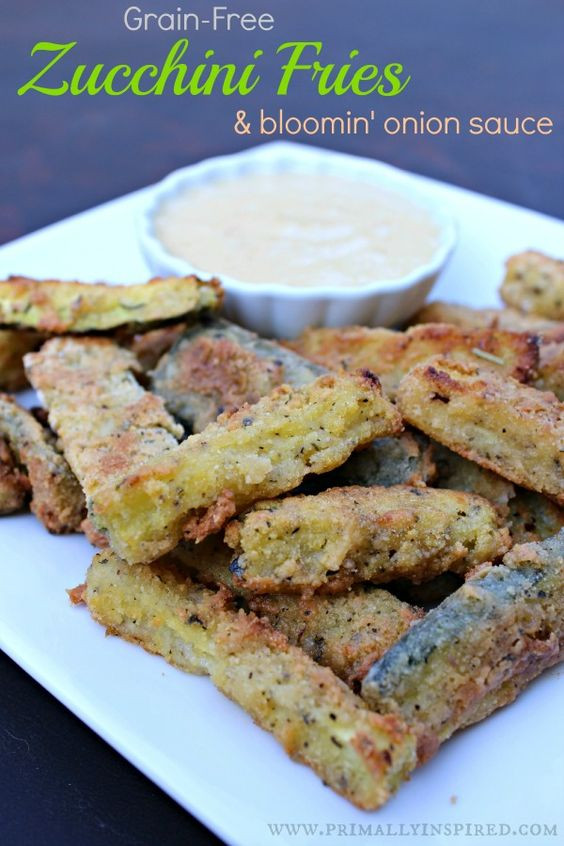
x=217 y=366
x=55 y=307
x=505 y=623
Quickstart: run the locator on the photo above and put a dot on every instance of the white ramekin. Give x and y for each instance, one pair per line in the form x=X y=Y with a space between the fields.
x=282 y=311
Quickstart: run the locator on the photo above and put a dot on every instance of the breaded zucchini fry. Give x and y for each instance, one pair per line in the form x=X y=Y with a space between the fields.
x=107 y=423
x=533 y=517
x=56 y=497
x=13 y=346
x=60 y=307
x=466 y=657
x=550 y=375
x=14 y=484
x=144 y=491
x=507 y=692
x=534 y=283
x=318 y=720
x=260 y=450
x=458 y=474
x=346 y=633
x=507 y=427
x=392 y=354
x=218 y=366
x=347 y=535
x=508 y=319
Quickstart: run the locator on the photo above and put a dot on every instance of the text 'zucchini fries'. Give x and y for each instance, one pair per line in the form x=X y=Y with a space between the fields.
x=218 y=366
x=347 y=535
x=56 y=497
x=392 y=354
x=473 y=652
x=319 y=721
x=534 y=284
x=507 y=427
x=59 y=307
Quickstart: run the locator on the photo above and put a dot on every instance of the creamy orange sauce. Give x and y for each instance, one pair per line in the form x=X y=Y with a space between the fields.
x=298 y=229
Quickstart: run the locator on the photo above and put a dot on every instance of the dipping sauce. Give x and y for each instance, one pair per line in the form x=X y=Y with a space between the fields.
x=299 y=229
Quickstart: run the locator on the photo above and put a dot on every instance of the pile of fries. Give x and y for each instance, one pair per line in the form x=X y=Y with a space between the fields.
x=358 y=535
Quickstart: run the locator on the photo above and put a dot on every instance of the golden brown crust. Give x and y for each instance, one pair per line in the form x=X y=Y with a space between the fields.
x=318 y=720
x=211 y=520
x=56 y=497
x=539 y=661
x=225 y=375
x=347 y=535
x=346 y=633
x=217 y=366
x=60 y=307
x=258 y=451
x=457 y=473
x=77 y=594
x=508 y=319
x=95 y=537
x=107 y=423
x=507 y=427
x=392 y=354
x=534 y=284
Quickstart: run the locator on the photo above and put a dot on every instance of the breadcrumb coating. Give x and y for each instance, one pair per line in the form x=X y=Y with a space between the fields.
x=311 y=712
x=59 y=307
x=348 y=535
x=392 y=354
x=507 y=427
x=534 y=284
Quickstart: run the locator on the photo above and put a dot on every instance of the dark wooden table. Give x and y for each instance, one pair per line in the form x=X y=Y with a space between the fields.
x=59 y=784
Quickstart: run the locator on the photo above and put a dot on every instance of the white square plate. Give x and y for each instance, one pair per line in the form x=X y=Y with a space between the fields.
x=184 y=735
